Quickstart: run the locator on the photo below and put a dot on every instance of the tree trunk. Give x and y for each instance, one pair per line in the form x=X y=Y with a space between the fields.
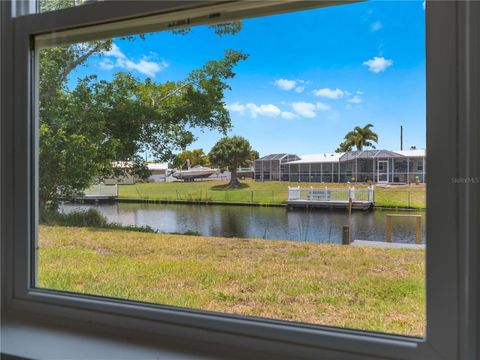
x=234 y=179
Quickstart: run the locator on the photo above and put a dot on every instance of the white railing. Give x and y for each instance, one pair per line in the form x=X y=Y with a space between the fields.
x=326 y=194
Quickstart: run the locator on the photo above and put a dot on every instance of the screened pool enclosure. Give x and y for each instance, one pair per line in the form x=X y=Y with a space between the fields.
x=377 y=166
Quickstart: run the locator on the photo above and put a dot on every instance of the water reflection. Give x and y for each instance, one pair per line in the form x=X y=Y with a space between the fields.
x=322 y=226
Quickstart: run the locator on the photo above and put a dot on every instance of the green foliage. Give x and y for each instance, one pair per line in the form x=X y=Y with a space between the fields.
x=358 y=137
x=195 y=157
x=254 y=155
x=89 y=218
x=231 y=153
x=344 y=147
x=84 y=130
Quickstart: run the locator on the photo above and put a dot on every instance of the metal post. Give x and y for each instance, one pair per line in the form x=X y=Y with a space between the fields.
x=393 y=170
x=346 y=235
x=423 y=169
x=408 y=170
x=356 y=170
x=401 y=137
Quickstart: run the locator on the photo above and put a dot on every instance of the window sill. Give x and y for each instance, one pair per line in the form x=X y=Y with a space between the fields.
x=40 y=339
x=27 y=336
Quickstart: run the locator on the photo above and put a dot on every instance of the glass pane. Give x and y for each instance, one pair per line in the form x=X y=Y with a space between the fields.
x=253 y=168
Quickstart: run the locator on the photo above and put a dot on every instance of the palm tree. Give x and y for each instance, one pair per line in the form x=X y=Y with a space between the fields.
x=359 y=137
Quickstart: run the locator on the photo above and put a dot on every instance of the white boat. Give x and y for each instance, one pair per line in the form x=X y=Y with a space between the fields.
x=196 y=172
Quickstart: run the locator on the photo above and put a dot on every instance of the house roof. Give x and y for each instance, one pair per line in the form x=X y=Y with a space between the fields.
x=412 y=153
x=346 y=156
x=129 y=164
x=317 y=158
x=273 y=157
x=369 y=154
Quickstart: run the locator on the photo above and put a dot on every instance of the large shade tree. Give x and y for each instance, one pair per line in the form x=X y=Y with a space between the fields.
x=231 y=153
x=88 y=128
x=359 y=138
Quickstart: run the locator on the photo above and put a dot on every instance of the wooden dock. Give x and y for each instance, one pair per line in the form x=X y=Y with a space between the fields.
x=388 y=245
x=329 y=204
x=353 y=199
x=95 y=198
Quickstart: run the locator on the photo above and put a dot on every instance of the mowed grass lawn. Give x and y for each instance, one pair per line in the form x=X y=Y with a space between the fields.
x=357 y=287
x=269 y=192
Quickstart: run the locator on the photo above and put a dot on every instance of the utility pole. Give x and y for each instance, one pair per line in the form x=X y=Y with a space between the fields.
x=401 y=137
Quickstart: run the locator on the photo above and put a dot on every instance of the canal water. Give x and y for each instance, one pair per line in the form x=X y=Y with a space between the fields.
x=276 y=223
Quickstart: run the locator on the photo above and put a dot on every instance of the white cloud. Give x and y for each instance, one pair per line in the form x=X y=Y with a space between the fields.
x=237 y=107
x=106 y=64
x=285 y=84
x=269 y=110
x=143 y=66
x=115 y=52
x=288 y=85
x=322 y=106
x=305 y=109
x=375 y=26
x=355 y=100
x=378 y=64
x=255 y=110
x=300 y=109
x=329 y=93
x=287 y=115
x=299 y=89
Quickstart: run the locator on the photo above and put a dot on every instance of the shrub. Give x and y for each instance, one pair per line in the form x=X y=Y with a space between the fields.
x=86 y=218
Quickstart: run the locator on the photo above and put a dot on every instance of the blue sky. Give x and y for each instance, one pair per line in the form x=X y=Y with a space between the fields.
x=311 y=76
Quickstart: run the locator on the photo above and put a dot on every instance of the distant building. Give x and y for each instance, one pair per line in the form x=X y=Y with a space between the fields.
x=159 y=174
x=378 y=166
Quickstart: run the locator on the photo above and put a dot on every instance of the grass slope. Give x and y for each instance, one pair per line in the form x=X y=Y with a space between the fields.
x=270 y=192
x=357 y=287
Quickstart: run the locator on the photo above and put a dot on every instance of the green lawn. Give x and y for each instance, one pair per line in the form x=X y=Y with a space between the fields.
x=347 y=286
x=262 y=192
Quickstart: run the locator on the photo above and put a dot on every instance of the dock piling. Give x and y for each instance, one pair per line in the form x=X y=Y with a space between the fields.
x=346 y=235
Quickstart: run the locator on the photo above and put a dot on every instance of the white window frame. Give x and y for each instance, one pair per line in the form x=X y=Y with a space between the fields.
x=452 y=138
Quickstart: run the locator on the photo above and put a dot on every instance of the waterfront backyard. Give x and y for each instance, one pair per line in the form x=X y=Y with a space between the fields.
x=253 y=192
x=373 y=289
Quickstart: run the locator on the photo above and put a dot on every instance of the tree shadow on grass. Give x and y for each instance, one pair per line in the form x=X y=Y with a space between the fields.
x=224 y=187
